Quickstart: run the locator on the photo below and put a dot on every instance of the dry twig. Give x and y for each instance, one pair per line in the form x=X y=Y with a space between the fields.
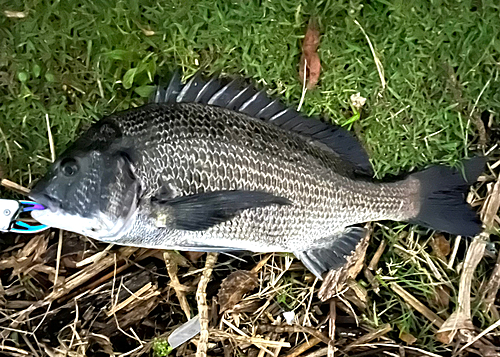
x=15 y=187
x=174 y=282
x=378 y=254
x=201 y=299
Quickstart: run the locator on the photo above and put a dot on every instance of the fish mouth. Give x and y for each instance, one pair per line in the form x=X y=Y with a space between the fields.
x=49 y=202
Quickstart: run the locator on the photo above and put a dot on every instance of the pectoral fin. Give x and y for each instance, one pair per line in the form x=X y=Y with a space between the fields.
x=202 y=211
x=334 y=254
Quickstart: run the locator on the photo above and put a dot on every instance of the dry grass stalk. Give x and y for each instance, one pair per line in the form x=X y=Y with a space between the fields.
x=51 y=139
x=141 y=294
x=454 y=252
x=95 y=257
x=15 y=14
x=476 y=118
x=293 y=329
x=175 y=283
x=417 y=305
x=261 y=263
x=380 y=68
x=381 y=331
x=489 y=213
x=201 y=299
x=461 y=317
x=303 y=347
x=15 y=350
x=484 y=333
x=319 y=353
x=104 y=278
x=378 y=254
x=491 y=290
x=417 y=351
x=260 y=342
x=491 y=206
x=88 y=273
x=15 y=187
x=277 y=351
x=331 y=328
x=58 y=258
x=263 y=352
x=372 y=280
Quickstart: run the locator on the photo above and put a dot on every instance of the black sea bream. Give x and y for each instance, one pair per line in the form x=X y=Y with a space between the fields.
x=214 y=166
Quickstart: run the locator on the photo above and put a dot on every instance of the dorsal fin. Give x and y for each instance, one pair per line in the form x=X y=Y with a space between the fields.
x=234 y=95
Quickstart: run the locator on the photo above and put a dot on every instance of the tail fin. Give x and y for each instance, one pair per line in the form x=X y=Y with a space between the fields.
x=443 y=191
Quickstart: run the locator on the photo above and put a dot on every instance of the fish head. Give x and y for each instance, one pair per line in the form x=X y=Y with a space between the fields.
x=93 y=192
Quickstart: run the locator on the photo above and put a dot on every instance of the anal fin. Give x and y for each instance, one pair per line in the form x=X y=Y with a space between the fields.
x=334 y=254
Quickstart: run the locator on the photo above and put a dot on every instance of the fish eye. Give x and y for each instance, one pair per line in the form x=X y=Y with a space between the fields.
x=69 y=167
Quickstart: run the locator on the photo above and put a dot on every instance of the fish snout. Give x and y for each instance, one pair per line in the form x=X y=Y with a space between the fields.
x=48 y=201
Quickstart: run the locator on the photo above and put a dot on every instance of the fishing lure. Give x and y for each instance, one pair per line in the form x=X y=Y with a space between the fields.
x=10 y=211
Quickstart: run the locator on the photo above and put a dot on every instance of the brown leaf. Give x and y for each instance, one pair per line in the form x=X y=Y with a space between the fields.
x=310 y=56
x=440 y=245
x=234 y=287
x=445 y=337
x=407 y=337
x=441 y=297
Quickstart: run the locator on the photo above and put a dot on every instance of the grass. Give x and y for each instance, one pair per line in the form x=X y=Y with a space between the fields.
x=78 y=60
x=161 y=348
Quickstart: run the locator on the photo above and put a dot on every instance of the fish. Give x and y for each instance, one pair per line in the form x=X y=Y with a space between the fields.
x=214 y=164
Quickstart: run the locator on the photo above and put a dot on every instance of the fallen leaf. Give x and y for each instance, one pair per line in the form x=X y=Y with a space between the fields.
x=309 y=61
x=407 y=337
x=234 y=287
x=441 y=297
x=440 y=245
x=446 y=337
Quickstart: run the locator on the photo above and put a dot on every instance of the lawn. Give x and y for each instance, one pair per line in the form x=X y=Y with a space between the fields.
x=65 y=64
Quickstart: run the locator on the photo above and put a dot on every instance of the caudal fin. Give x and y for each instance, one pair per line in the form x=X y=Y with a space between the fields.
x=443 y=191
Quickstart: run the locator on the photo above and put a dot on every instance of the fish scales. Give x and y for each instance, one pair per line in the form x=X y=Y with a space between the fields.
x=195 y=141
x=185 y=175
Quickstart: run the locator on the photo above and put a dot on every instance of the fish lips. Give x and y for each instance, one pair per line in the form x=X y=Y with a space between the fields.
x=51 y=203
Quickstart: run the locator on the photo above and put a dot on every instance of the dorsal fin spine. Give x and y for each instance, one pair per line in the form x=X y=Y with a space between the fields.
x=205 y=89
x=263 y=110
x=185 y=89
x=249 y=101
x=218 y=94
